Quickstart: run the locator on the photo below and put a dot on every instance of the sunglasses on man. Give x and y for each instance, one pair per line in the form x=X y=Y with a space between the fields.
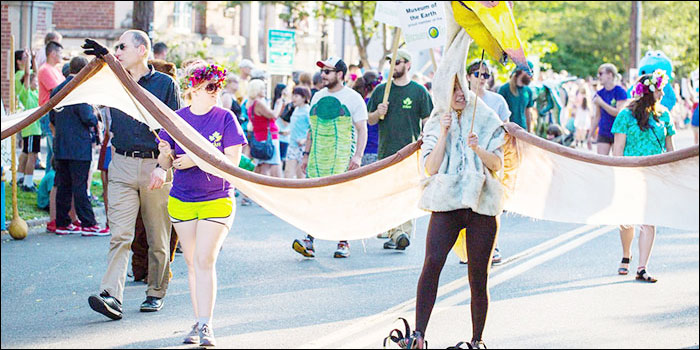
x=328 y=71
x=120 y=46
x=483 y=75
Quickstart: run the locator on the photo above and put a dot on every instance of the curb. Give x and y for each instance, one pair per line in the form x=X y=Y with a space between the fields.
x=34 y=224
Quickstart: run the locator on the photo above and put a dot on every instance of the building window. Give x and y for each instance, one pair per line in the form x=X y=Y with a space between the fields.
x=182 y=15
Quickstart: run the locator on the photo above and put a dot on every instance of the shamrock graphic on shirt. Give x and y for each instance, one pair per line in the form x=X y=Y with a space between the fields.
x=215 y=139
x=407 y=103
x=613 y=103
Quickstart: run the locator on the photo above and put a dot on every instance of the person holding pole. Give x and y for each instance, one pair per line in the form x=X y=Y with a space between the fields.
x=400 y=117
x=478 y=75
x=462 y=192
x=137 y=183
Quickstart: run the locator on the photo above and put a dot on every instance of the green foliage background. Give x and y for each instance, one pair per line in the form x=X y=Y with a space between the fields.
x=576 y=36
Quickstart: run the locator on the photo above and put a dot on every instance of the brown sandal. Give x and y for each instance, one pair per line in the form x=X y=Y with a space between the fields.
x=624 y=270
x=643 y=276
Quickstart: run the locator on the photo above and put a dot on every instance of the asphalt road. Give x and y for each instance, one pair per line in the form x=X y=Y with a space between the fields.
x=557 y=288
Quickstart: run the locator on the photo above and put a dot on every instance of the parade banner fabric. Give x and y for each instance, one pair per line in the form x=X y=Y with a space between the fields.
x=542 y=178
x=372 y=199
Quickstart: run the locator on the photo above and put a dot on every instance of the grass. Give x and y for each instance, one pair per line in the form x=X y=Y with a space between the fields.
x=26 y=201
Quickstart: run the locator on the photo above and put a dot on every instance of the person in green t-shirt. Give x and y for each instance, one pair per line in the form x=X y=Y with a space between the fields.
x=520 y=98
x=400 y=122
x=643 y=128
x=26 y=88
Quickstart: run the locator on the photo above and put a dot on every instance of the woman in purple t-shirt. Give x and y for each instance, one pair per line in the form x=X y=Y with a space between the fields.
x=607 y=103
x=201 y=205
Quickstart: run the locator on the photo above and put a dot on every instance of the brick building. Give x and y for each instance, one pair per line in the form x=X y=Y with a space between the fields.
x=233 y=33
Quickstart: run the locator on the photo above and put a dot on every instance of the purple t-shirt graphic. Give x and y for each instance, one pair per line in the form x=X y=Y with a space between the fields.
x=221 y=128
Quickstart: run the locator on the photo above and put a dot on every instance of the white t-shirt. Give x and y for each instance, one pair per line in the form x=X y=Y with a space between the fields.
x=348 y=98
x=498 y=104
x=582 y=118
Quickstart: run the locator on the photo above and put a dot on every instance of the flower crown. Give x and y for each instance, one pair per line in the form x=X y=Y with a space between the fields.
x=377 y=81
x=658 y=80
x=211 y=72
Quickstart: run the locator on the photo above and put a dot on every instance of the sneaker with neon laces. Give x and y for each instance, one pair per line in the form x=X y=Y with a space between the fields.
x=67 y=230
x=343 y=250
x=51 y=226
x=304 y=247
x=93 y=231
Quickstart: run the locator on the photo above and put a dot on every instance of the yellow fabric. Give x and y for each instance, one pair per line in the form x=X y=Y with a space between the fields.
x=213 y=209
x=491 y=26
x=460 y=247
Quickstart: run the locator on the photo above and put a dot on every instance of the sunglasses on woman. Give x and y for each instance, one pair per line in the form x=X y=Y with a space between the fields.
x=211 y=88
x=483 y=75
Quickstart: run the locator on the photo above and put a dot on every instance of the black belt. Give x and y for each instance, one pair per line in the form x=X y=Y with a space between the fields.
x=138 y=154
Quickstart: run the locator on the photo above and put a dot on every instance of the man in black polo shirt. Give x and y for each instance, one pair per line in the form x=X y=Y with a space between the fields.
x=136 y=183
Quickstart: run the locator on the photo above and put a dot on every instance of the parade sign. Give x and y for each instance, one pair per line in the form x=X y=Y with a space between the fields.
x=280 y=51
x=386 y=12
x=423 y=23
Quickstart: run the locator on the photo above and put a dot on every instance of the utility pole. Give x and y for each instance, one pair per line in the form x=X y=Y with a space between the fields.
x=143 y=17
x=635 y=35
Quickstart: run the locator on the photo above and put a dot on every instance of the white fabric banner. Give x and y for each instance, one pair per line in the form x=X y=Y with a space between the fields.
x=548 y=186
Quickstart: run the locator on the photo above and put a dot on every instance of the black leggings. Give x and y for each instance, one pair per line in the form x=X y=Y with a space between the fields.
x=443 y=230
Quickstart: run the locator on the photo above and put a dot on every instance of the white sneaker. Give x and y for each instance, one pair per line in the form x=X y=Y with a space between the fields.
x=193 y=336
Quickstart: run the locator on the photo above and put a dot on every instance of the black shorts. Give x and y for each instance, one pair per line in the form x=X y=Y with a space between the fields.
x=605 y=139
x=31 y=144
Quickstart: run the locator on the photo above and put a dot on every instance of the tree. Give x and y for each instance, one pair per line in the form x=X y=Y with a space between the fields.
x=585 y=34
x=143 y=16
x=360 y=15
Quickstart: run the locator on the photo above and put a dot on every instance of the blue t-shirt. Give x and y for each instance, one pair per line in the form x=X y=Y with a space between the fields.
x=610 y=97
x=283 y=127
x=695 y=121
x=372 y=139
x=299 y=123
x=221 y=128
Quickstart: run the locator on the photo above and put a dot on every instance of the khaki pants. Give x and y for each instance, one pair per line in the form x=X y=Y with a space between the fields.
x=128 y=191
x=407 y=228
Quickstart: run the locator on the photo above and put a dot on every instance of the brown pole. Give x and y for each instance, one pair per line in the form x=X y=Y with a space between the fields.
x=18 y=228
x=481 y=64
x=397 y=35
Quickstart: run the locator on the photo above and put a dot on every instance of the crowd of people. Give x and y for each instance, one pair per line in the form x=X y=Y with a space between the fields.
x=326 y=123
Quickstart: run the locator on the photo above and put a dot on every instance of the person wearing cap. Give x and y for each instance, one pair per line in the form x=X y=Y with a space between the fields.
x=246 y=66
x=520 y=97
x=409 y=105
x=338 y=118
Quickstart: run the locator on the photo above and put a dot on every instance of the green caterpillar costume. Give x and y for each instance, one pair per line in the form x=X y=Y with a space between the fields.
x=332 y=138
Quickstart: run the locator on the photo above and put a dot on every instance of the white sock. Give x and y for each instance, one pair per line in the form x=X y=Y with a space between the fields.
x=204 y=320
x=20 y=176
x=28 y=180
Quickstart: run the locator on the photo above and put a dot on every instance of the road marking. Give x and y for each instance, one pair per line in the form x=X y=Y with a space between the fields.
x=528 y=265
x=366 y=324
x=353 y=273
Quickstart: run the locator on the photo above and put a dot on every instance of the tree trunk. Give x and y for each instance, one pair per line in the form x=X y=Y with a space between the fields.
x=143 y=16
x=635 y=35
